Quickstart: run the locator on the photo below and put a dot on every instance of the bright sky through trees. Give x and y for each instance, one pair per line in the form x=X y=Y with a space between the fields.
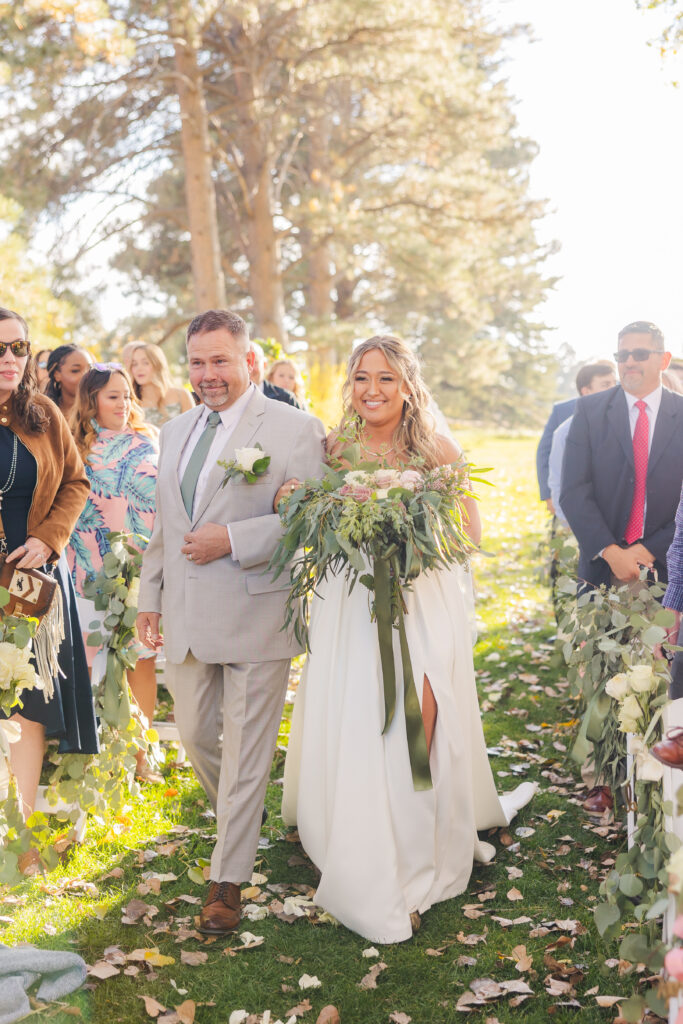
x=599 y=102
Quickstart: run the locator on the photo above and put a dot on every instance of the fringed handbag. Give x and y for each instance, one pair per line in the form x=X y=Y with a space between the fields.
x=37 y=595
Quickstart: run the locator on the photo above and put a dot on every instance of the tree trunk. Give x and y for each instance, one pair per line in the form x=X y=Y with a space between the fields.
x=200 y=194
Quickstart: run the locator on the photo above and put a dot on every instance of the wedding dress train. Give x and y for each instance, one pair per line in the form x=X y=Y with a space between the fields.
x=383 y=849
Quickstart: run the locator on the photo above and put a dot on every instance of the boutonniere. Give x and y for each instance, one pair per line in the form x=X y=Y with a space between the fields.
x=251 y=463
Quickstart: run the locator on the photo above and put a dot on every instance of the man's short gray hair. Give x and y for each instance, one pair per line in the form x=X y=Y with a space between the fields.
x=216 y=320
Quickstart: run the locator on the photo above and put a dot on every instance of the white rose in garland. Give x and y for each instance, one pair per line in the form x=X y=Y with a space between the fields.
x=617 y=686
x=251 y=463
x=642 y=679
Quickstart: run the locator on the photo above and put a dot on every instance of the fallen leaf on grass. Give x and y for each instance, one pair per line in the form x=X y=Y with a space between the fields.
x=490 y=894
x=370 y=979
x=400 y=1018
x=466 y=961
x=310 y=981
x=136 y=910
x=152 y=1007
x=300 y=1009
x=514 y=872
x=608 y=1001
x=193 y=958
x=370 y=952
x=103 y=970
x=514 y=894
x=433 y=952
x=524 y=961
x=328 y=1015
x=472 y=911
x=186 y=1011
x=471 y=940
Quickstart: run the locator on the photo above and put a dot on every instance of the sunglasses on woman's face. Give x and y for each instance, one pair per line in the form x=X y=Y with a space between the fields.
x=639 y=354
x=17 y=348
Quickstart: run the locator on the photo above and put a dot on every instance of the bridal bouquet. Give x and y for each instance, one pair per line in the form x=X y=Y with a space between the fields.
x=383 y=527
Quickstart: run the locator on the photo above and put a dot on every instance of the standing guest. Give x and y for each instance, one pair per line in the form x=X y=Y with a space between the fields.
x=285 y=374
x=43 y=489
x=590 y=379
x=65 y=367
x=670 y=749
x=227 y=657
x=257 y=375
x=120 y=457
x=672 y=381
x=152 y=385
x=560 y=412
x=42 y=376
x=126 y=353
x=623 y=465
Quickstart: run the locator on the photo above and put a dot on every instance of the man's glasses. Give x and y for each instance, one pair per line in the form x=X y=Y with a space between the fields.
x=17 y=348
x=107 y=367
x=639 y=354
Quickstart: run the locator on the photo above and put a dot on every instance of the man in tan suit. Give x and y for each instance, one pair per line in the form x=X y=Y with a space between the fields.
x=205 y=573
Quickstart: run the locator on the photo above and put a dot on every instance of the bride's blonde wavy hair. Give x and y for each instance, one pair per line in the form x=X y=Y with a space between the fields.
x=415 y=433
x=85 y=410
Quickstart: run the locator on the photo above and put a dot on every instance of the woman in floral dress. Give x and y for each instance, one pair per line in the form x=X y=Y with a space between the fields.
x=120 y=456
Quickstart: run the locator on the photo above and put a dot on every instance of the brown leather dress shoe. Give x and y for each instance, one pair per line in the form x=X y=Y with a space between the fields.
x=598 y=800
x=669 y=751
x=220 y=914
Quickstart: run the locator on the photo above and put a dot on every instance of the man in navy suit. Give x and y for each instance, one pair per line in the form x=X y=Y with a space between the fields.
x=258 y=376
x=623 y=465
x=561 y=411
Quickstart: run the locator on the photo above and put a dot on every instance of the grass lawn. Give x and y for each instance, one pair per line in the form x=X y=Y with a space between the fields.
x=525 y=919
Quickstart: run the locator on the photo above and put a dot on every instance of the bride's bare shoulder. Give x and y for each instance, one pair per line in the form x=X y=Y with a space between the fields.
x=448 y=450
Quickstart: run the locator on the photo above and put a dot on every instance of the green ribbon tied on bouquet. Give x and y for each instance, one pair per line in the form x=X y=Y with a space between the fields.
x=415 y=733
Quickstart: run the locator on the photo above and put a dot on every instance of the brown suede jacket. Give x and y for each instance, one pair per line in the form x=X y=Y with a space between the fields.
x=62 y=486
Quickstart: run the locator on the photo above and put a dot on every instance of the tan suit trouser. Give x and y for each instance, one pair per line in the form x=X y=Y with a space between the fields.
x=243 y=702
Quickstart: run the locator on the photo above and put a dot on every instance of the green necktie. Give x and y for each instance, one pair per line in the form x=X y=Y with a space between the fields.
x=188 y=484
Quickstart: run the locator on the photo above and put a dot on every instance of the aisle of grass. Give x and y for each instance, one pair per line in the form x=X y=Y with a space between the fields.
x=526 y=918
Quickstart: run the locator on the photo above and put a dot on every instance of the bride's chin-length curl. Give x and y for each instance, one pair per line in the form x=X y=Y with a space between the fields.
x=415 y=432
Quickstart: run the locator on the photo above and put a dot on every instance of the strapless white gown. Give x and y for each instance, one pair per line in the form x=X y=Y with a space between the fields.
x=383 y=849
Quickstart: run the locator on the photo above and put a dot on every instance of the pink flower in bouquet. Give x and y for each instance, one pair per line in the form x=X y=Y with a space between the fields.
x=386 y=478
x=355 y=491
x=673 y=961
x=678 y=926
x=410 y=478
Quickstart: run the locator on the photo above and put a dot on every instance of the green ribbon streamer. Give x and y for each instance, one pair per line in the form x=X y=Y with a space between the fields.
x=417 y=741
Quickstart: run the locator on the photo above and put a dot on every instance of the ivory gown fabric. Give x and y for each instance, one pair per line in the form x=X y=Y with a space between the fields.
x=383 y=849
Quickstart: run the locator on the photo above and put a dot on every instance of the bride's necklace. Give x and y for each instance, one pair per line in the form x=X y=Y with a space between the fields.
x=384 y=450
x=9 y=482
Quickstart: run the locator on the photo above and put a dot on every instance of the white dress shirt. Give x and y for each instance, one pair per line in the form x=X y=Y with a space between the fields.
x=230 y=417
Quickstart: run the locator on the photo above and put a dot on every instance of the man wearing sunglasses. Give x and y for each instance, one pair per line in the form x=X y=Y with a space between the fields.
x=623 y=465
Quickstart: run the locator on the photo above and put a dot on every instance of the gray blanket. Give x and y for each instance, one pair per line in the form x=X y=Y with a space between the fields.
x=59 y=974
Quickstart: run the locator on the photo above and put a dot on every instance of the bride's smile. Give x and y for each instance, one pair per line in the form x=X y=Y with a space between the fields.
x=377 y=393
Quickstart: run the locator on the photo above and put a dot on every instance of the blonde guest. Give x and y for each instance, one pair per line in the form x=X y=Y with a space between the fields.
x=160 y=400
x=283 y=373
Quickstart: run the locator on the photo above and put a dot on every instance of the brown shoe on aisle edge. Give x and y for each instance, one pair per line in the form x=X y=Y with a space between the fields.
x=598 y=800
x=669 y=751
x=221 y=912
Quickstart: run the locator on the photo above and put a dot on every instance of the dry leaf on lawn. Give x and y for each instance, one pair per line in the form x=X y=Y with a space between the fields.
x=524 y=961
x=471 y=940
x=300 y=1009
x=193 y=958
x=608 y=1000
x=310 y=981
x=152 y=1007
x=137 y=909
x=490 y=894
x=328 y=1015
x=400 y=1018
x=102 y=970
x=514 y=894
x=370 y=979
x=186 y=1011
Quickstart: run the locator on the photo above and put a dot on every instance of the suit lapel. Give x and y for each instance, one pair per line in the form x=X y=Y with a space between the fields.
x=665 y=427
x=617 y=417
x=183 y=439
x=241 y=436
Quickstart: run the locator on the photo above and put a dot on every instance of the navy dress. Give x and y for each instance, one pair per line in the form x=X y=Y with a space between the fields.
x=69 y=715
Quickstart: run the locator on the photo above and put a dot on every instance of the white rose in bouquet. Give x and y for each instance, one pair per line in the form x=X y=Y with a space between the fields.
x=246 y=457
x=387 y=478
x=642 y=679
x=630 y=713
x=617 y=686
x=358 y=478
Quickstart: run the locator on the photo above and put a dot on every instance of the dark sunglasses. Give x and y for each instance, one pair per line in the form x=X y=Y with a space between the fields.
x=17 y=348
x=640 y=355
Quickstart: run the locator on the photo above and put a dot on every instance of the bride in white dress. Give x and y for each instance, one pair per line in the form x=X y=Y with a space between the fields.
x=383 y=849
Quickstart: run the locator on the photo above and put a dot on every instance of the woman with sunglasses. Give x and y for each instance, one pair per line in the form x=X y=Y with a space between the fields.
x=120 y=455
x=65 y=367
x=43 y=489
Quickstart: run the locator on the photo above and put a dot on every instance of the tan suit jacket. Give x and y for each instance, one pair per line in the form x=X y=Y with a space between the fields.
x=228 y=611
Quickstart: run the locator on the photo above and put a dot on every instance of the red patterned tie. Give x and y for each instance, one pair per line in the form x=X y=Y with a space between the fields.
x=641 y=436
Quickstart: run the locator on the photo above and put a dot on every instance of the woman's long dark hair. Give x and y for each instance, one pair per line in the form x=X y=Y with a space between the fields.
x=33 y=415
x=53 y=389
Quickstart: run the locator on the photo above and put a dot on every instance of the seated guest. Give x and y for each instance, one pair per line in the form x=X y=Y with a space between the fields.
x=591 y=378
x=257 y=376
x=153 y=388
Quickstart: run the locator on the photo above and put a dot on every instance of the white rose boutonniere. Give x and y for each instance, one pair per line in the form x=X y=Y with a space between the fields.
x=251 y=463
